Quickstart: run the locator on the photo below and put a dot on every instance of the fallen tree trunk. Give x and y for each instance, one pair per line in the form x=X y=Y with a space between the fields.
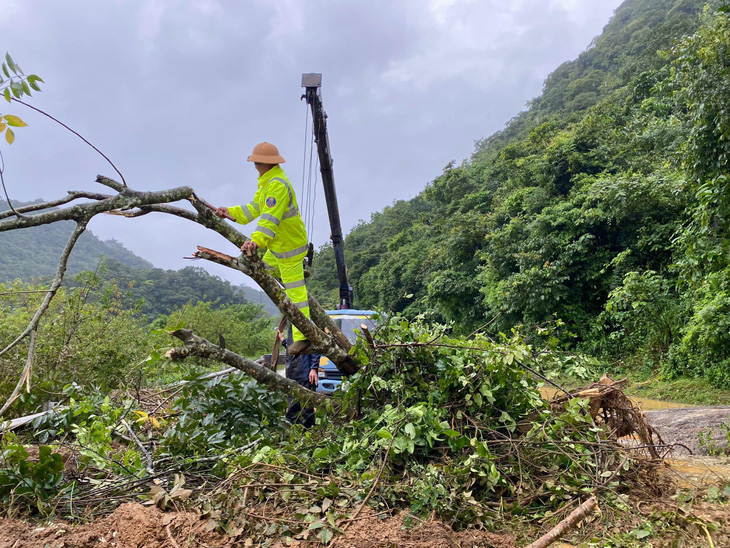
x=198 y=346
x=326 y=338
x=322 y=342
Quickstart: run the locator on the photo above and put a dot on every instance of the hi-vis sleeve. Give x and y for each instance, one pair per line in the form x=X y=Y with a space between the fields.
x=275 y=203
x=245 y=214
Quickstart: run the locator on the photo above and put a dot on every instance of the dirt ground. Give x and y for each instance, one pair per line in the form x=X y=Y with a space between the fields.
x=133 y=525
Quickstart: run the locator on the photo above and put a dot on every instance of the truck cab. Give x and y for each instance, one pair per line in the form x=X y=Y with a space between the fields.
x=348 y=320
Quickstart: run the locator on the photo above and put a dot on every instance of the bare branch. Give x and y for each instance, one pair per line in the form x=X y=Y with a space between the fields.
x=25 y=375
x=126 y=199
x=198 y=346
x=72 y=195
x=111 y=183
x=568 y=524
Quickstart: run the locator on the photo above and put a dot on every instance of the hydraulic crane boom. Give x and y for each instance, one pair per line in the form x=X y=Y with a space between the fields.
x=312 y=83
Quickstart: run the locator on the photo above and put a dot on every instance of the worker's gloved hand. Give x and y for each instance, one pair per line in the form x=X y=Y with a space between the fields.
x=249 y=248
x=222 y=212
x=313 y=377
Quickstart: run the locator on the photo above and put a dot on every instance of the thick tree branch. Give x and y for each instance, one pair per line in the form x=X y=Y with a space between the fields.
x=198 y=346
x=322 y=342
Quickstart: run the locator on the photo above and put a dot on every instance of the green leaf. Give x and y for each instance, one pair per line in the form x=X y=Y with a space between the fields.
x=5 y=70
x=325 y=535
x=26 y=89
x=451 y=433
x=11 y=64
x=6 y=94
x=14 y=121
x=382 y=433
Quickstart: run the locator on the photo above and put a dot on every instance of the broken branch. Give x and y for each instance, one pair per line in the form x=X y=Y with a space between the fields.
x=198 y=346
x=568 y=524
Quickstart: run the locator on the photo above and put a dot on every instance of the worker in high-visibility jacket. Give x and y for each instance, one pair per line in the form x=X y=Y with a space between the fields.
x=280 y=230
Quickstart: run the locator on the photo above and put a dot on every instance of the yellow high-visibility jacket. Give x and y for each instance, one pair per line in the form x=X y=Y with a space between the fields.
x=280 y=227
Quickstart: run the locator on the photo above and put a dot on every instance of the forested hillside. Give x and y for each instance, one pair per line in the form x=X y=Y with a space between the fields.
x=603 y=205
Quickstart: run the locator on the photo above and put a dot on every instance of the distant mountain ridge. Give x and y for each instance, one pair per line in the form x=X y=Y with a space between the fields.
x=32 y=253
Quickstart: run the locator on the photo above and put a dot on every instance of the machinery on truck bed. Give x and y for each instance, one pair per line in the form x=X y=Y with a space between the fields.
x=312 y=83
x=345 y=318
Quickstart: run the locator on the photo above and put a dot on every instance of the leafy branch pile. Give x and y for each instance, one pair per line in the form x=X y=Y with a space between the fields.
x=431 y=424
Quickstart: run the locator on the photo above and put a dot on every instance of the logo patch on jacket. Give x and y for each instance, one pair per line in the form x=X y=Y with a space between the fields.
x=270 y=201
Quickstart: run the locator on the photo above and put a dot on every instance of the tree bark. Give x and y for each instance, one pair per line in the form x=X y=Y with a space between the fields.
x=198 y=346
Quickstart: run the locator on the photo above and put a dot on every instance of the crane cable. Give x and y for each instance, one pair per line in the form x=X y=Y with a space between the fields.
x=309 y=179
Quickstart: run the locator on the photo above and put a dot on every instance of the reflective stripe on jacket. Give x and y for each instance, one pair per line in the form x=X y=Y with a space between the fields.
x=280 y=227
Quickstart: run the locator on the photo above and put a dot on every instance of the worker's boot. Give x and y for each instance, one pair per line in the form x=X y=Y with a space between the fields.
x=299 y=347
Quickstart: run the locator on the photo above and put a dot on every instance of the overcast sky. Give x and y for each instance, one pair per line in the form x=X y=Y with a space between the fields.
x=178 y=93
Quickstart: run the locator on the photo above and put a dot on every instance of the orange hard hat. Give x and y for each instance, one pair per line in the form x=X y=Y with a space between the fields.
x=266 y=153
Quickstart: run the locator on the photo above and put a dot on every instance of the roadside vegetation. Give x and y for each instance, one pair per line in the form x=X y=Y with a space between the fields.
x=604 y=205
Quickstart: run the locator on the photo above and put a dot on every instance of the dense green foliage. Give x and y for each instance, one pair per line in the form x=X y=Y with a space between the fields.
x=91 y=336
x=444 y=427
x=604 y=205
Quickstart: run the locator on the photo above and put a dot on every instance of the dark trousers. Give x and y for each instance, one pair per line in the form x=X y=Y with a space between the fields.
x=296 y=414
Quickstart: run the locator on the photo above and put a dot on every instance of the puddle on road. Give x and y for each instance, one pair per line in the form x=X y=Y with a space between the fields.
x=646 y=404
x=698 y=471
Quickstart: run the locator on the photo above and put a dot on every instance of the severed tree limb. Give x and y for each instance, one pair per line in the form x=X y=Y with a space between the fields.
x=328 y=340
x=126 y=199
x=322 y=342
x=198 y=346
x=568 y=524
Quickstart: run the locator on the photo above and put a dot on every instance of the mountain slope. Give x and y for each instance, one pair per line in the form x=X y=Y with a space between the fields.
x=588 y=207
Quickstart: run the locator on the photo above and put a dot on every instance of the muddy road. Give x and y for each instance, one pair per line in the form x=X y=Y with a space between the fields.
x=684 y=425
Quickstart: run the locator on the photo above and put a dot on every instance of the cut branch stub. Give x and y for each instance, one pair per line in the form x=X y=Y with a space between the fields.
x=198 y=346
x=322 y=343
